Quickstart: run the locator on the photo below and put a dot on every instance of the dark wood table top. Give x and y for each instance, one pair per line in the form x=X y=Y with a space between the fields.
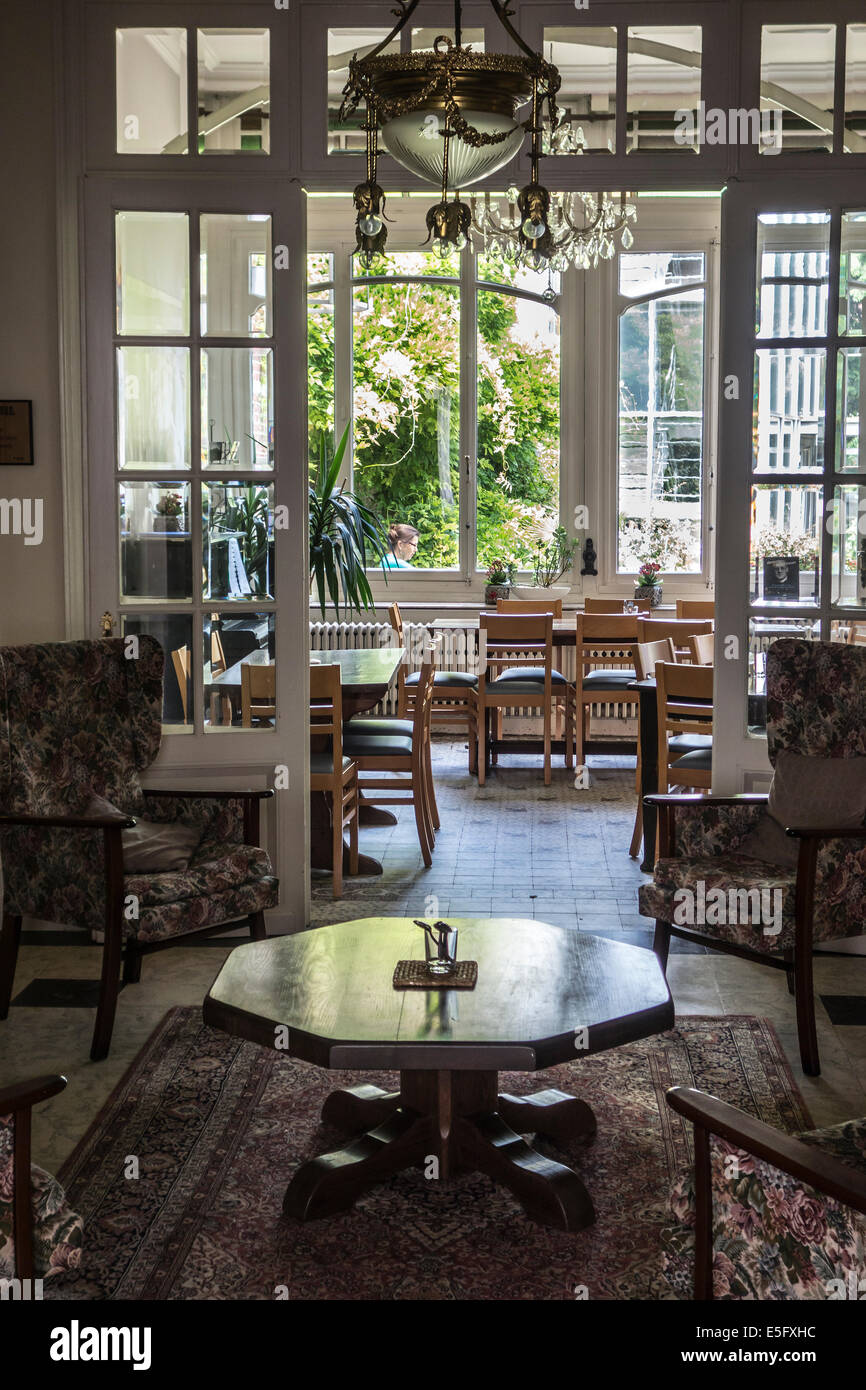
x=331 y=989
x=362 y=671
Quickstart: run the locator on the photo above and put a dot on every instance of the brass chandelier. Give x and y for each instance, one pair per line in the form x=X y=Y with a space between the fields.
x=450 y=117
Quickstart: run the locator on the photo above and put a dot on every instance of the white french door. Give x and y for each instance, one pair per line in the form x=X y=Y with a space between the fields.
x=196 y=463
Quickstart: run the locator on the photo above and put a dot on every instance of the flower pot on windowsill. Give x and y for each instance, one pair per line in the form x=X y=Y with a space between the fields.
x=653 y=592
x=166 y=523
x=543 y=591
x=494 y=591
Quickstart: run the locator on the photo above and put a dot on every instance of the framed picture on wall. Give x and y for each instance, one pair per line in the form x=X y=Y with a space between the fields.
x=16 y=432
x=782 y=577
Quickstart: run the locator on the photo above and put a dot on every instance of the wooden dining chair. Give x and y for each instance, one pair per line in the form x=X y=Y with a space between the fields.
x=221 y=711
x=615 y=605
x=455 y=693
x=679 y=630
x=646 y=654
x=553 y=606
x=515 y=670
x=180 y=660
x=696 y=608
x=702 y=648
x=331 y=771
x=530 y=605
x=857 y=634
x=398 y=754
x=258 y=693
x=685 y=709
x=604 y=660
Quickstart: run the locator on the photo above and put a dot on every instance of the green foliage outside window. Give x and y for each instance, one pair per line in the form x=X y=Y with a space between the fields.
x=407 y=410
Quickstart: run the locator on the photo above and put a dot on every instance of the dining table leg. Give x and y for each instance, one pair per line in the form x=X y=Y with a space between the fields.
x=321 y=852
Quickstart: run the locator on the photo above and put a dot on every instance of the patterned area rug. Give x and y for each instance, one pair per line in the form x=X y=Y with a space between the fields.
x=218 y=1128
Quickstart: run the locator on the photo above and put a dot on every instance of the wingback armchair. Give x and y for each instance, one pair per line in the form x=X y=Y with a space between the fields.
x=813 y=867
x=79 y=723
x=767 y=1215
x=40 y=1234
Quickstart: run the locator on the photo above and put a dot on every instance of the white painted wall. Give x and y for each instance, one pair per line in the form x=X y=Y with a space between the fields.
x=31 y=576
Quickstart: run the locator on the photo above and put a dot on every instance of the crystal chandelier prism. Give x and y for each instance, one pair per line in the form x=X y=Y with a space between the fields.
x=582 y=229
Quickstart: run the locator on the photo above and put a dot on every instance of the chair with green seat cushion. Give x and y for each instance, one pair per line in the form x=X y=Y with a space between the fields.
x=455 y=698
x=333 y=770
x=605 y=665
x=516 y=670
x=398 y=764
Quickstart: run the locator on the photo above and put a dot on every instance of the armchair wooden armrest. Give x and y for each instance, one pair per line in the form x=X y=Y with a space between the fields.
x=18 y=1100
x=250 y=798
x=24 y=1094
x=117 y=820
x=711 y=1116
x=850 y=832
x=247 y=795
x=673 y=799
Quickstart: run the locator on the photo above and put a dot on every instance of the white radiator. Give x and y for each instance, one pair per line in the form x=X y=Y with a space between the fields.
x=456 y=649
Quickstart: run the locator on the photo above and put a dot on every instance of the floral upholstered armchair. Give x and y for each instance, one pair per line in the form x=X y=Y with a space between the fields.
x=783 y=871
x=767 y=1215
x=40 y=1234
x=82 y=841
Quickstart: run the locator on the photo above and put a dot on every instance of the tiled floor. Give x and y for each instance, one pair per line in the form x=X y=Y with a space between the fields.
x=514 y=848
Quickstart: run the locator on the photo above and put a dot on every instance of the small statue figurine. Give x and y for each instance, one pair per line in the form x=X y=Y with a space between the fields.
x=589 y=557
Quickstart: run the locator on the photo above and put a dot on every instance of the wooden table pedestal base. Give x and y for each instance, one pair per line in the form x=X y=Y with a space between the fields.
x=459 y=1119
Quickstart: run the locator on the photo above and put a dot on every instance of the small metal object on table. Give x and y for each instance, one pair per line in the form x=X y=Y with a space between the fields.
x=544 y=995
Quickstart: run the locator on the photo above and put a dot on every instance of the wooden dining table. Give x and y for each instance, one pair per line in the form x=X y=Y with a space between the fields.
x=365 y=679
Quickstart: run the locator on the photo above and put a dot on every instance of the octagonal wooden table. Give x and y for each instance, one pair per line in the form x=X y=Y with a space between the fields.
x=544 y=995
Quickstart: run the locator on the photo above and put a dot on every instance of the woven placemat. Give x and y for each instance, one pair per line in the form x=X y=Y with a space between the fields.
x=413 y=974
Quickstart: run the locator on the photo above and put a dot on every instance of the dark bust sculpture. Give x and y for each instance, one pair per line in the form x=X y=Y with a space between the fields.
x=589 y=557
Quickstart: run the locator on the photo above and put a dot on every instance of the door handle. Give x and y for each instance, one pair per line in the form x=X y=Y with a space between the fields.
x=106 y=622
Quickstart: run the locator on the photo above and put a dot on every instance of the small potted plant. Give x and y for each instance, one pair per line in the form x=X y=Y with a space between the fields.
x=649 y=585
x=553 y=558
x=500 y=577
x=169 y=510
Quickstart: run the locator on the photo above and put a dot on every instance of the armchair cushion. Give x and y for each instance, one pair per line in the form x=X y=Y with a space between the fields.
x=773 y=1236
x=707 y=894
x=152 y=846
x=818 y=791
x=57 y=1229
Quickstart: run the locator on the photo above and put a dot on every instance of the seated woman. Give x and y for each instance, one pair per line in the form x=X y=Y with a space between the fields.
x=404 y=542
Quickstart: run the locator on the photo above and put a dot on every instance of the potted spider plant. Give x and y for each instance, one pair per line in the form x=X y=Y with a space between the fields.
x=553 y=559
x=345 y=537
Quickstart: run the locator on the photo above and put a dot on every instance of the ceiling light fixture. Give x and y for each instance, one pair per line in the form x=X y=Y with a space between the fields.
x=450 y=117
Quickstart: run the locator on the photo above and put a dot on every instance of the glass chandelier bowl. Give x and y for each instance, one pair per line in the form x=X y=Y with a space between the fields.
x=474 y=95
x=415 y=141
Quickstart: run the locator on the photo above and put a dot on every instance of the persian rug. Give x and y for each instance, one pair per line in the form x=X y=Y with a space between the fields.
x=180 y=1179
